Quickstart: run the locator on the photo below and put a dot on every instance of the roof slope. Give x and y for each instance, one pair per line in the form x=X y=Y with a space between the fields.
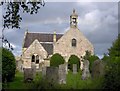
x=44 y=38
x=41 y=37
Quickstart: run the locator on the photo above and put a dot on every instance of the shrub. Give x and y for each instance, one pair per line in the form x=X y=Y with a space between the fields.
x=73 y=60
x=8 y=65
x=56 y=60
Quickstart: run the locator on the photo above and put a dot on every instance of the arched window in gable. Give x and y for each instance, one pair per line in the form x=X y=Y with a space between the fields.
x=37 y=59
x=74 y=42
x=33 y=58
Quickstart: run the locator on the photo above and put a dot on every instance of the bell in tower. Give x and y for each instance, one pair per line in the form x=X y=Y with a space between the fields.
x=73 y=19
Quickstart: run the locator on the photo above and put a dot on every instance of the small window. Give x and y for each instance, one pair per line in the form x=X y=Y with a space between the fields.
x=74 y=42
x=37 y=59
x=33 y=58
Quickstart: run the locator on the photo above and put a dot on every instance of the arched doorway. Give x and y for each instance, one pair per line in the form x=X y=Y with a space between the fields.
x=73 y=60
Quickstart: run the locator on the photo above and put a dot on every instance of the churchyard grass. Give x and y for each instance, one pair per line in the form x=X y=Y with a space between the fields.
x=73 y=82
x=18 y=82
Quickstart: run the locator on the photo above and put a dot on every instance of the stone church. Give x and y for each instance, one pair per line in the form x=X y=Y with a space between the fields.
x=39 y=47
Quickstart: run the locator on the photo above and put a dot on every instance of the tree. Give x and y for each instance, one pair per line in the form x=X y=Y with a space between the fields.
x=8 y=65
x=73 y=60
x=114 y=51
x=12 y=15
x=112 y=72
x=56 y=60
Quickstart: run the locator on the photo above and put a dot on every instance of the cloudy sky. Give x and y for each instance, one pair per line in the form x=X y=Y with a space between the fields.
x=98 y=21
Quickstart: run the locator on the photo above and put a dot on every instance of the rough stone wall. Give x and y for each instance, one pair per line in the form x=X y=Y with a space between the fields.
x=64 y=47
x=34 y=48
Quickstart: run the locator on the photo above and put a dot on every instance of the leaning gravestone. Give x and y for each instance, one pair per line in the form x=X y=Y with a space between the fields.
x=97 y=69
x=85 y=71
x=28 y=74
x=74 y=68
x=52 y=74
x=62 y=74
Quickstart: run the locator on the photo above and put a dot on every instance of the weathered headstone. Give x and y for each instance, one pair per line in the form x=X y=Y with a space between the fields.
x=52 y=74
x=33 y=68
x=28 y=74
x=62 y=74
x=85 y=71
x=43 y=71
x=74 y=68
x=97 y=69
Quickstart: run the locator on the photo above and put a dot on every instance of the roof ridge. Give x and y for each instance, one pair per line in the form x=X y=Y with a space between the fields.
x=44 y=33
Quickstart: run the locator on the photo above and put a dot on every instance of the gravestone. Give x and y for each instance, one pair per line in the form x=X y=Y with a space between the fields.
x=74 y=68
x=43 y=71
x=97 y=69
x=85 y=71
x=28 y=74
x=62 y=74
x=52 y=74
x=33 y=68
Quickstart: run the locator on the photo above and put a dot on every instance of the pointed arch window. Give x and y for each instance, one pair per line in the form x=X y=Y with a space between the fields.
x=37 y=59
x=74 y=42
x=33 y=58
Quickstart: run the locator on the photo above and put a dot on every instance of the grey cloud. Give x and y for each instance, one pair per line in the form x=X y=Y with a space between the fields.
x=101 y=33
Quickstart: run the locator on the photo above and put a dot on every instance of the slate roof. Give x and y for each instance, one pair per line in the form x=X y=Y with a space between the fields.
x=41 y=37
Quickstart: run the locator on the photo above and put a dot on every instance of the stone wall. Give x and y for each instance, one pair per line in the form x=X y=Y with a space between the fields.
x=63 y=45
x=34 y=48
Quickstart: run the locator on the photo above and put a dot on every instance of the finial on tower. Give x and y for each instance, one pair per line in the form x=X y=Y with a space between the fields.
x=73 y=10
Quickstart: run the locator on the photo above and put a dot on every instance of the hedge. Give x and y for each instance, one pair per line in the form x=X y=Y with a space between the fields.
x=8 y=65
x=56 y=60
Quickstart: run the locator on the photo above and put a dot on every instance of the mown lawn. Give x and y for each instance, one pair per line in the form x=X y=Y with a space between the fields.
x=73 y=82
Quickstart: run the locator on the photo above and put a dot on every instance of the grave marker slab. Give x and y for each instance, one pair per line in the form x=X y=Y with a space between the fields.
x=62 y=74
x=74 y=68
x=85 y=71
x=28 y=75
x=52 y=74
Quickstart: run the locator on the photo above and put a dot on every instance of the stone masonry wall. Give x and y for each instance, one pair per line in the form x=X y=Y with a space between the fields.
x=34 y=48
x=64 y=47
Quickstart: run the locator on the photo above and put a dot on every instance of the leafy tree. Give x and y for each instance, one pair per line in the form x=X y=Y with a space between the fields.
x=73 y=60
x=114 y=51
x=56 y=60
x=12 y=17
x=112 y=75
x=8 y=65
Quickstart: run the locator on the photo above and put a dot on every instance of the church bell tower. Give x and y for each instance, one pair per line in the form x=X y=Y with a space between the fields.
x=73 y=19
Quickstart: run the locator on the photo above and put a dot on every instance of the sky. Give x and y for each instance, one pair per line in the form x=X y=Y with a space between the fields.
x=98 y=21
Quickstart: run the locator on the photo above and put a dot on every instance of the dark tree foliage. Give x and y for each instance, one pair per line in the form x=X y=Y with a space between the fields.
x=8 y=65
x=114 y=51
x=12 y=17
x=73 y=60
x=56 y=60
x=112 y=75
